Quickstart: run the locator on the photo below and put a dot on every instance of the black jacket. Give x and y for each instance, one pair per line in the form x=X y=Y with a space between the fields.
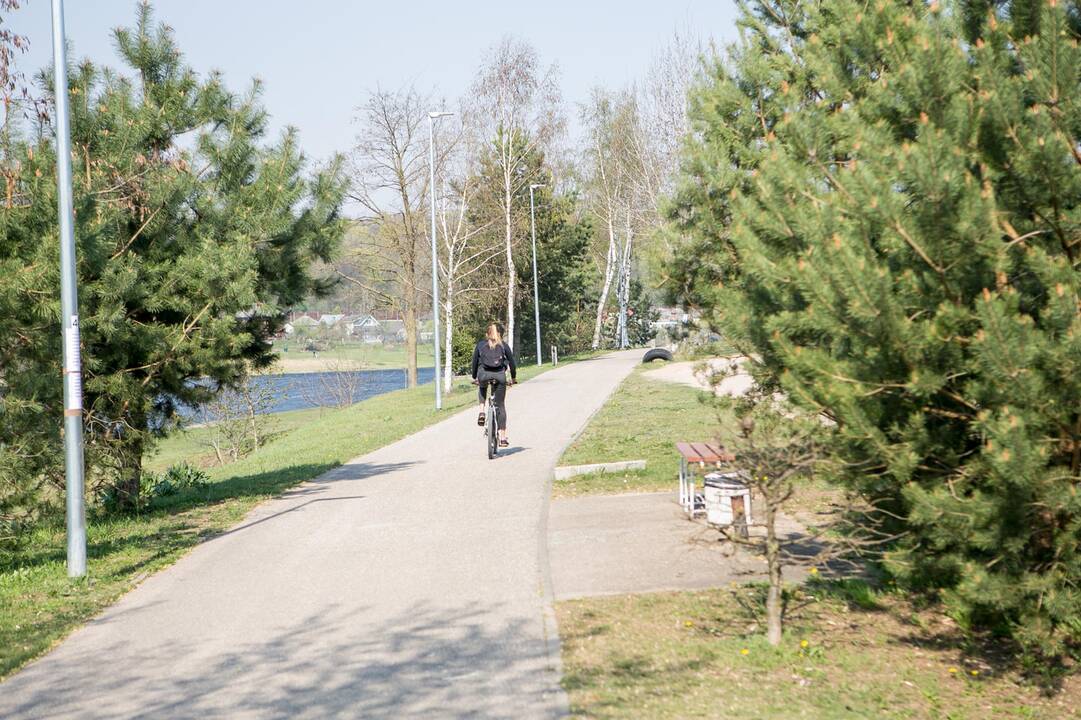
x=494 y=359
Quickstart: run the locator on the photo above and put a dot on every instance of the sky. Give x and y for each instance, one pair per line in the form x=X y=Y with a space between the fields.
x=318 y=58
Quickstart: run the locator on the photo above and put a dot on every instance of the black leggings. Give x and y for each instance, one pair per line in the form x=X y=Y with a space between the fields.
x=499 y=394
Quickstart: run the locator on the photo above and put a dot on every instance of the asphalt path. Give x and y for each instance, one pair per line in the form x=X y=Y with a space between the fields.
x=410 y=582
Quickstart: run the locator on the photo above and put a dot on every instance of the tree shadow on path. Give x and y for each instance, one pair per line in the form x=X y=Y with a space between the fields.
x=422 y=661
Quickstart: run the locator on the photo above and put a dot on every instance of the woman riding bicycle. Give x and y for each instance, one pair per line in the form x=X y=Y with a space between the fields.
x=491 y=359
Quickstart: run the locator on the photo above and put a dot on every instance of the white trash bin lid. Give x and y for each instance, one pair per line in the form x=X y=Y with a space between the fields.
x=726 y=481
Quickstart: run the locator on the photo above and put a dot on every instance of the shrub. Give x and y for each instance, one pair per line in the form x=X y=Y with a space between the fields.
x=152 y=486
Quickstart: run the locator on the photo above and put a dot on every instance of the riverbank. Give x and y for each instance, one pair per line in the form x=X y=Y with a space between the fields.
x=293 y=358
x=41 y=605
x=276 y=393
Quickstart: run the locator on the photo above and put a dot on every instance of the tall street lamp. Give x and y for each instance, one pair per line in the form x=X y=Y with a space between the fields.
x=536 y=292
x=432 y=117
x=69 y=311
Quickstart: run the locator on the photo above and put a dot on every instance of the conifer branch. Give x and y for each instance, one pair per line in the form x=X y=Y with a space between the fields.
x=137 y=233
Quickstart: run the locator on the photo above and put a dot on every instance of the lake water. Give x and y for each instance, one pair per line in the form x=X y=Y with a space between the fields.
x=300 y=391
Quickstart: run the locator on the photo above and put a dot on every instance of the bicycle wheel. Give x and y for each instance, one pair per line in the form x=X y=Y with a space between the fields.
x=493 y=439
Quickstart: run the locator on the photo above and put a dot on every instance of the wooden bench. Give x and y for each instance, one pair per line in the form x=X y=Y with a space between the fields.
x=701 y=456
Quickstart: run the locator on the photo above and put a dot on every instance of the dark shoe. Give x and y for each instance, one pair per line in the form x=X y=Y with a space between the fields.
x=480 y=419
x=504 y=443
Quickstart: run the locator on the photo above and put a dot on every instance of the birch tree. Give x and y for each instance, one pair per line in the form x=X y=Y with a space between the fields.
x=661 y=127
x=610 y=152
x=633 y=151
x=662 y=104
x=517 y=109
x=465 y=249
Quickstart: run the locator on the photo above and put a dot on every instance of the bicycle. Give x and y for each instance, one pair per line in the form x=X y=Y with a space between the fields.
x=491 y=432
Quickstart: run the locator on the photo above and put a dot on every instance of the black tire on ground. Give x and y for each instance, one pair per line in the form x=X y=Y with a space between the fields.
x=656 y=354
x=493 y=436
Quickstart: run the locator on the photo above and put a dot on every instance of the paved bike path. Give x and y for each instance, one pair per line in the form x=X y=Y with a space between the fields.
x=410 y=582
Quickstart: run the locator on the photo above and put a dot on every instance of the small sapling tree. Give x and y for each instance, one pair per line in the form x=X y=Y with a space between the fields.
x=775 y=450
x=238 y=420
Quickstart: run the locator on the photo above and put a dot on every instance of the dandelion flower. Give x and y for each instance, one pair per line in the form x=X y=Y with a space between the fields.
x=974 y=672
x=804 y=644
x=953 y=671
x=813 y=571
x=688 y=623
x=744 y=651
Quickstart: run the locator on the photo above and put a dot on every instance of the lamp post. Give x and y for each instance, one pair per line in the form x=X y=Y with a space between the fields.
x=432 y=117
x=536 y=292
x=69 y=311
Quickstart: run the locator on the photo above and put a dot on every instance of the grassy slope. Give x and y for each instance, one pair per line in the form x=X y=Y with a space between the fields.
x=642 y=420
x=190 y=446
x=39 y=605
x=689 y=654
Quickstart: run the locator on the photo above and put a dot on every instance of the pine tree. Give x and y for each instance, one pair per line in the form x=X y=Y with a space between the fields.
x=881 y=205
x=641 y=315
x=193 y=237
x=30 y=466
x=565 y=277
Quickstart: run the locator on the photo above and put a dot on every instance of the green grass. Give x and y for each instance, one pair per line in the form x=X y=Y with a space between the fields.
x=701 y=655
x=39 y=605
x=642 y=420
x=190 y=445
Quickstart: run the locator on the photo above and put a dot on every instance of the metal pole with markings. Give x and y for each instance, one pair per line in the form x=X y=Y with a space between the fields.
x=432 y=117
x=69 y=310
x=536 y=292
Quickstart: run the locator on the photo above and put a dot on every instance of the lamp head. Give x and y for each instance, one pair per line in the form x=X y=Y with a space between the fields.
x=438 y=114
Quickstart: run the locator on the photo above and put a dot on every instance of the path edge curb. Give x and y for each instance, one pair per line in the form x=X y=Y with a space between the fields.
x=552 y=640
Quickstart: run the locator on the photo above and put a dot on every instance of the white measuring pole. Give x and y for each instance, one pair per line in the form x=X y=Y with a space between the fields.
x=69 y=311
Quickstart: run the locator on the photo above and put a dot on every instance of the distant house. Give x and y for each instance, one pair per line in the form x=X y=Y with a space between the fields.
x=367 y=329
x=330 y=320
x=304 y=321
x=363 y=322
x=670 y=318
x=426 y=330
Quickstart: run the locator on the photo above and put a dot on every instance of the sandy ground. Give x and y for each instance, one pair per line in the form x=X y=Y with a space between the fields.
x=308 y=363
x=696 y=374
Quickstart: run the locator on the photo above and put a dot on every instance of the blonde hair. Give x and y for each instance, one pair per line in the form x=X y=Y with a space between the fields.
x=495 y=337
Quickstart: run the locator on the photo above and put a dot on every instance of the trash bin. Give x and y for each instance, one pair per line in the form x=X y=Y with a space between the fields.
x=728 y=500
